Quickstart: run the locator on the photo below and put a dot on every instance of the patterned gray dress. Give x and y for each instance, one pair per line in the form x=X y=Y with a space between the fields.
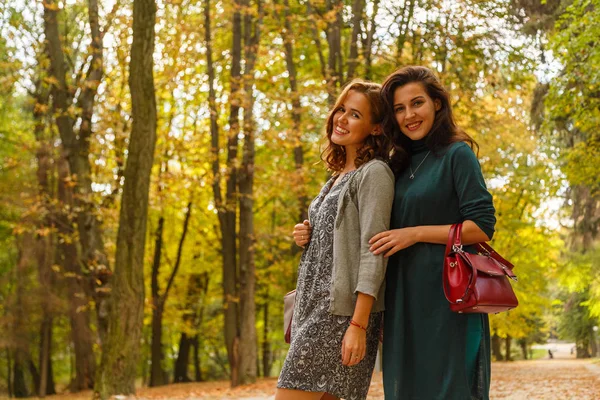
x=314 y=360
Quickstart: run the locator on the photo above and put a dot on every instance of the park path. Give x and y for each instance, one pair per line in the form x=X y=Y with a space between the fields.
x=557 y=379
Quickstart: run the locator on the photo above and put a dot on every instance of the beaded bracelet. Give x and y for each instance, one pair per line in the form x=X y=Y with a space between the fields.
x=353 y=322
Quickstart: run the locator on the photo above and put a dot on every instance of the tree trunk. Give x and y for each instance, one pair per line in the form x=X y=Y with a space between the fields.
x=247 y=335
x=79 y=315
x=524 y=348
x=157 y=373
x=228 y=211
x=267 y=356
x=368 y=47
x=312 y=16
x=76 y=151
x=497 y=353
x=33 y=372
x=19 y=388
x=334 y=42
x=9 y=379
x=21 y=315
x=120 y=356
x=507 y=349
x=287 y=36
x=44 y=248
x=46 y=385
x=593 y=343
x=196 y=294
x=197 y=370
x=357 y=14
x=183 y=357
x=76 y=146
x=93 y=254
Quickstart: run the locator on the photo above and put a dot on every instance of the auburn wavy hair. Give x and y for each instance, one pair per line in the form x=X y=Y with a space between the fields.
x=444 y=130
x=375 y=146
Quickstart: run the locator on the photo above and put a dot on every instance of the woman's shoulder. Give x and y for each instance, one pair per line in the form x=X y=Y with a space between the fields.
x=376 y=166
x=375 y=174
x=459 y=151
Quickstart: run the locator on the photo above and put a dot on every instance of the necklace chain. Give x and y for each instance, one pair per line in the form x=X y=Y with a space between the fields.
x=412 y=173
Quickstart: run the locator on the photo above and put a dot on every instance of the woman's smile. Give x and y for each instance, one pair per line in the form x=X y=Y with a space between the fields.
x=413 y=126
x=341 y=131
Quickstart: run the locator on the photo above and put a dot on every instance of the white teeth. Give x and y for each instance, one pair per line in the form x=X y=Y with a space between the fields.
x=412 y=126
x=341 y=130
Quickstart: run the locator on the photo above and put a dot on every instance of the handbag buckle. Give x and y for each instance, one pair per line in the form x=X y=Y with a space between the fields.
x=457 y=249
x=453 y=264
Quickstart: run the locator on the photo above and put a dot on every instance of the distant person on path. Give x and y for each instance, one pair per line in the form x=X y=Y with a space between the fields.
x=430 y=352
x=339 y=297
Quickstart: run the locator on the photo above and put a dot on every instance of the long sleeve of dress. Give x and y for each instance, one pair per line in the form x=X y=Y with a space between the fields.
x=475 y=201
x=375 y=198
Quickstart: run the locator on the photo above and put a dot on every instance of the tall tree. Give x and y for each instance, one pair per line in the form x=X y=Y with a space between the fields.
x=120 y=354
x=287 y=35
x=46 y=238
x=75 y=132
x=248 y=351
x=358 y=7
x=238 y=279
x=61 y=102
x=157 y=374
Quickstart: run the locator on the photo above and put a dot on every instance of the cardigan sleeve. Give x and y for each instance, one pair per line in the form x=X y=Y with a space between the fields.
x=375 y=198
x=475 y=201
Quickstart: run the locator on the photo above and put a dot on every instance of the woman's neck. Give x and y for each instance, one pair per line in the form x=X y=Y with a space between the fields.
x=418 y=146
x=350 y=158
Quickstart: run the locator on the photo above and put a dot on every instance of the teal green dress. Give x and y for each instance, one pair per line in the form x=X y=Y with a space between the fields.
x=429 y=352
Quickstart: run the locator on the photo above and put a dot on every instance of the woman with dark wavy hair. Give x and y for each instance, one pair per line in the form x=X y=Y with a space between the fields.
x=430 y=352
x=339 y=295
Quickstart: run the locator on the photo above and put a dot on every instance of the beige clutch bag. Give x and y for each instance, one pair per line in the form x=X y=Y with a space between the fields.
x=288 y=313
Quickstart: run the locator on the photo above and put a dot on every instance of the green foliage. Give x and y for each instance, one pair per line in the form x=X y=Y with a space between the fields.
x=572 y=111
x=573 y=104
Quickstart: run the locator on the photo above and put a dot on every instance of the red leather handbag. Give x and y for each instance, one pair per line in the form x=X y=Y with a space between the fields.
x=476 y=283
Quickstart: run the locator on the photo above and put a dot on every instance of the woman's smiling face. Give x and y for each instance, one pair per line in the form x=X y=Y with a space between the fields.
x=352 y=122
x=414 y=110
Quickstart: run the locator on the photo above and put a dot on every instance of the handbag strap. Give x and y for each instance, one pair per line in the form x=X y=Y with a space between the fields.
x=454 y=238
x=492 y=253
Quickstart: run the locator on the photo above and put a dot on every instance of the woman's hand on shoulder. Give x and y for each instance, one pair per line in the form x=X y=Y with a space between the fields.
x=392 y=241
x=354 y=346
x=302 y=233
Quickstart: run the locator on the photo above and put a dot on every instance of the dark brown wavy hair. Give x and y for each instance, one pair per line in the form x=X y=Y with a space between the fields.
x=444 y=130
x=375 y=146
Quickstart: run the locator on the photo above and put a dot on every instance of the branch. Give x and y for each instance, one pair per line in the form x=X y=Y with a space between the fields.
x=179 y=252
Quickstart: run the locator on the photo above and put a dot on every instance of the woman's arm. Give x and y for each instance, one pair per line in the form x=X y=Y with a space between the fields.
x=375 y=197
x=354 y=345
x=475 y=206
x=397 y=239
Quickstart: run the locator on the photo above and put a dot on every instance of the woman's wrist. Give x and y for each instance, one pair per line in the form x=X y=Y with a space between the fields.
x=416 y=234
x=358 y=325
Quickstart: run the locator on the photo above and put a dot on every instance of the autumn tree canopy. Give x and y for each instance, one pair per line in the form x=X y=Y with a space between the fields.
x=155 y=155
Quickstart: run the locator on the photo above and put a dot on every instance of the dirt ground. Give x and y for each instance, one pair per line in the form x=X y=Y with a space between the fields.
x=557 y=379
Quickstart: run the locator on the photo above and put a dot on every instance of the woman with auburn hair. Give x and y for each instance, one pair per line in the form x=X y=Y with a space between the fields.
x=339 y=295
x=430 y=352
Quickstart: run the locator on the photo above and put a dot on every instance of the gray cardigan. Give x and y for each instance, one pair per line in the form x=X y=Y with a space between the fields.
x=364 y=209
